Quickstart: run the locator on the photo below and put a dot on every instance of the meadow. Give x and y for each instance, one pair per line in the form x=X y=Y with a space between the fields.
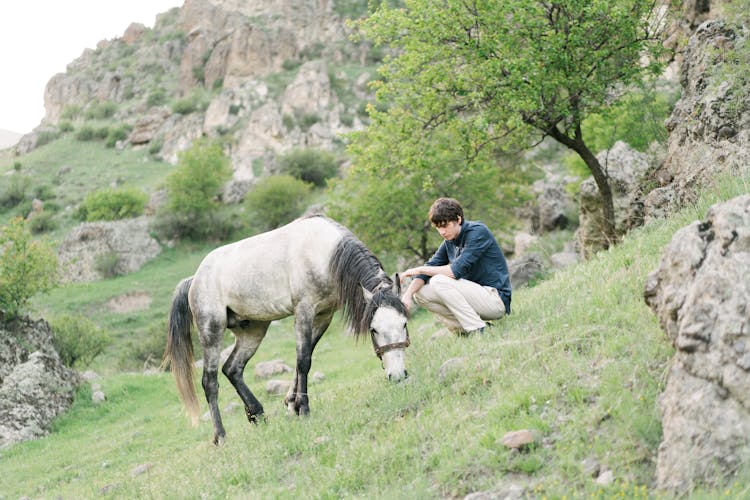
x=580 y=362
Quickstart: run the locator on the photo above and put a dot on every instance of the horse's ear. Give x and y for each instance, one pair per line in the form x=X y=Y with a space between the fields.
x=396 y=289
x=368 y=295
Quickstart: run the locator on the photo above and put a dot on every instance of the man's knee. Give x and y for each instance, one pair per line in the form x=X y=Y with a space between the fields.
x=441 y=279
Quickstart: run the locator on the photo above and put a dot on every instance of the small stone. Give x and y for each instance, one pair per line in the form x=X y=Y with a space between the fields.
x=605 y=478
x=141 y=469
x=98 y=397
x=518 y=439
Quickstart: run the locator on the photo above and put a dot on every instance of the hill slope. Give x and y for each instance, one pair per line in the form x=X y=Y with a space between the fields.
x=581 y=362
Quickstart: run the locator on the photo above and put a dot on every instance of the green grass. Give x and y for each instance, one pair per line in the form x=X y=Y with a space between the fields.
x=90 y=166
x=581 y=362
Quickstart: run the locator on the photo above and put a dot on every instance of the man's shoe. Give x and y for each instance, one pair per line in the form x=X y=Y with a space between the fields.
x=478 y=331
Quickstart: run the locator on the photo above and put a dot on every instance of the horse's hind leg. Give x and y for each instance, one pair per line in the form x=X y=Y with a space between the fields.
x=249 y=337
x=211 y=331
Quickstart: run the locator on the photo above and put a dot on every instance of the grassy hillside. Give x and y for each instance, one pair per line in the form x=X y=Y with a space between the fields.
x=581 y=362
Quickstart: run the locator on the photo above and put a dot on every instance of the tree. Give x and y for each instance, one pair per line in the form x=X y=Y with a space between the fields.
x=27 y=267
x=194 y=187
x=389 y=212
x=509 y=71
x=277 y=200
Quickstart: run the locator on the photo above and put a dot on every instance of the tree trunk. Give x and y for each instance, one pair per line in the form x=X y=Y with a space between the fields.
x=605 y=190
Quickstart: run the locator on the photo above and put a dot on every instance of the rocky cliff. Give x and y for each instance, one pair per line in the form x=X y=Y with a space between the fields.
x=269 y=76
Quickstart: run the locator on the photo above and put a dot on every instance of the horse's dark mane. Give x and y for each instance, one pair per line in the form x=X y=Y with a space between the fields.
x=354 y=266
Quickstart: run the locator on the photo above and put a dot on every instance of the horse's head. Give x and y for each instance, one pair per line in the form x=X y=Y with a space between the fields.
x=388 y=330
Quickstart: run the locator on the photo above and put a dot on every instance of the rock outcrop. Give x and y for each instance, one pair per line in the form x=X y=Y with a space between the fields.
x=35 y=387
x=709 y=129
x=95 y=249
x=701 y=295
x=260 y=74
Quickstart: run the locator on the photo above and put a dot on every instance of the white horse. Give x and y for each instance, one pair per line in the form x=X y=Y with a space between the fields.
x=309 y=268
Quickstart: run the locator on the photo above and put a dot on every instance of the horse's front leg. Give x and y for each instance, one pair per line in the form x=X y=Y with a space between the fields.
x=309 y=329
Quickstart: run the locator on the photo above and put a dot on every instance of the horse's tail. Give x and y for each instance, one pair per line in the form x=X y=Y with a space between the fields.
x=179 y=350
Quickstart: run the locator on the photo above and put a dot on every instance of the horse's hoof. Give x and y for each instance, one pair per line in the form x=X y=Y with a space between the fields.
x=257 y=419
x=219 y=440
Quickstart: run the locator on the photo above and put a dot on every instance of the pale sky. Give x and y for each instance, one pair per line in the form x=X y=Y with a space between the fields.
x=39 y=38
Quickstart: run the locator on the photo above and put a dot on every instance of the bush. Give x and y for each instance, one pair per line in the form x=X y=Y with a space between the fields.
x=193 y=189
x=117 y=134
x=108 y=264
x=147 y=347
x=277 y=200
x=78 y=340
x=100 y=110
x=42 y=222
x=27 y=267
x=111 y=204
x=310 y=165
x=15 y=192
x=86 y=133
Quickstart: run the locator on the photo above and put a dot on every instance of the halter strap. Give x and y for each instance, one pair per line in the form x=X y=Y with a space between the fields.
x=380 y=350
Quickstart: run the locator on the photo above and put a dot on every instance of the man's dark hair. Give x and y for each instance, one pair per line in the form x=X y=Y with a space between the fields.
x=445 y=210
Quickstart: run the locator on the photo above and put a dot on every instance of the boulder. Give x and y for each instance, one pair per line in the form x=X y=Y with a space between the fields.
x=129 y=240
x=701 y=296
x=35 y=386
x=626 y=170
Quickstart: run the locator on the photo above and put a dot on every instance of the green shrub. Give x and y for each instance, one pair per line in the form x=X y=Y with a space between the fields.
x=78 y=340
x=147 y=348
x=86 y=133
x=193 y=189
x=277 y=200
x=15 y=191
x=100 y=110
x=42 y=222
x=111 y=204
x=108 y=264
x=156 y=98
x=45 y=137
x=310 y=165
x=197 y=101
x=70 y=112
x=65 y=126
x=115 y=134
x=27 y=267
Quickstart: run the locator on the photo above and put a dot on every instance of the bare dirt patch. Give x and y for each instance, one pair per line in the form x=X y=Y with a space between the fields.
x=132 y=301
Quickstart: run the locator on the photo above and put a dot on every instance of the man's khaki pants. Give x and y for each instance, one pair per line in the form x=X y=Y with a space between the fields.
x=460 y=304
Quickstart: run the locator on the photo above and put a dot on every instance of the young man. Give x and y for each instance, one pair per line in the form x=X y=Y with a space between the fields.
x=466 y=282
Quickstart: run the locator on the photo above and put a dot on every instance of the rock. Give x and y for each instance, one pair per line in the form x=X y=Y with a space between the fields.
x=701 y=295
x=551 y=207
x=522 y=242
x=277 y=387
x=561 y=260
x=266 y=369
x=709 y=127
x=141 y=469
x=605 y=478
x=525 y=269
x=518 y=439
x=451 y=368
x=98 y=397
x=35 y=386
x=510 y=492
x=627 y=170
x=129 y=240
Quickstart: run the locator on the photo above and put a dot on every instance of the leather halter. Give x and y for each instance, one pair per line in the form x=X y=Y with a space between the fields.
x=380 y=350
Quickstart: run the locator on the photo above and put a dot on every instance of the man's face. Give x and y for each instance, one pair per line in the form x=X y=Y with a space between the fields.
x=449 y=230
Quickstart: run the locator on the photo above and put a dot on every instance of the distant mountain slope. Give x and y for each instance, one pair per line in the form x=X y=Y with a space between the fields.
x=267 y=77
x=8 y=138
